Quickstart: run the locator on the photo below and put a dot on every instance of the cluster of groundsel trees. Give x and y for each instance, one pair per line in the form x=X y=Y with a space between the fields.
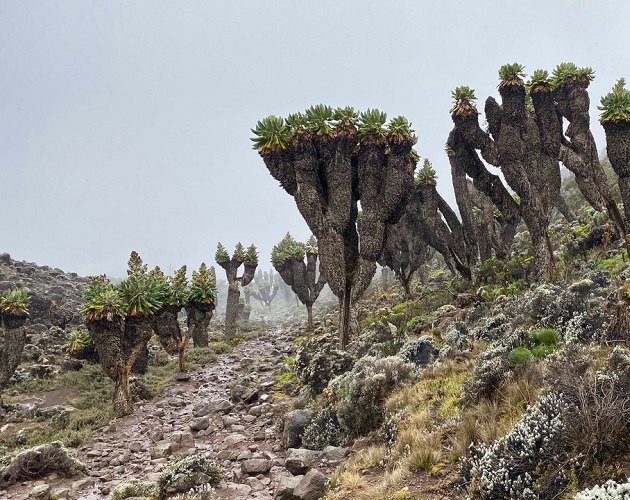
x=122 y=318
x=333 y=160
x=13 y=314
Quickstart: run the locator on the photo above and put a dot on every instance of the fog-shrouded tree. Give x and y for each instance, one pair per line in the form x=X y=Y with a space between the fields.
x=405 y=252
x=329 y=161
x=265 y=289
x=466 y=163
x=200 y=304
x=525 y=144
x=249 y=259
x=303 y=276
x=174 y=297
x=13 y=315
x=121 y=322
x=578 y=151
x=433 y=220
x=615 y=118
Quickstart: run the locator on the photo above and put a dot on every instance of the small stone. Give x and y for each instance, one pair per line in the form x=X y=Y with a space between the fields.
x=228 y=420
x=135 y=447
x=335 y=453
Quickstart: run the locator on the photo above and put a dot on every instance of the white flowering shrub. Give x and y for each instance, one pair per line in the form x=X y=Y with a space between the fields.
x=492 y=328
x=324 y=430
x=420 y=352
x=380 y=339
x=456 y=339
x=362 y=391
x=319 y=361
x=508 y=468
x=610 y=490
x=187 y=473
x=133 y=488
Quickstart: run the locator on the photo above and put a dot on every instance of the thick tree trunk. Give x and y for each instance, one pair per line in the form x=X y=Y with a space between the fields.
x=618 y=150
x=231 y=310
x=199 y=316
x=564 y=209
x=12 y=340
x=123 y=401
x=344 y=318
x=181 y=354
x=309 y=315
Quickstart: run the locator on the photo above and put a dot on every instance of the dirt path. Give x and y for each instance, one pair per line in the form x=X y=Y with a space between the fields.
x=178 y=423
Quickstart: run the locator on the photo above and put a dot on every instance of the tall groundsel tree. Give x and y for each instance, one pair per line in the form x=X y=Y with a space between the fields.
x=524 y=143
x=615 y=118
x=288 y=258
x=329 y=161
x=200 y=302
x=121 y=321
x=13 y=315
x=249 y=260
x=174 y=294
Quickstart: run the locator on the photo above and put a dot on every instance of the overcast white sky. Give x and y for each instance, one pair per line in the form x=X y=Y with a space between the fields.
x=125 y=125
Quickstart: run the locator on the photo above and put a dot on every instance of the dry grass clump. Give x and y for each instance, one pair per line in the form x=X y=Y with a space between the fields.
x=39 y=461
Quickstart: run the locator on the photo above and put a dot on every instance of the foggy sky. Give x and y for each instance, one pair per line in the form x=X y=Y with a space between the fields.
x=125 y=125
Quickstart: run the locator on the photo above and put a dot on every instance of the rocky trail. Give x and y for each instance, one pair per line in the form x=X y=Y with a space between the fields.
x=230 y=411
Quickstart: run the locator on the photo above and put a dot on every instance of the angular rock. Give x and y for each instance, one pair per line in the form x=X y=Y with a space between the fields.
x=218 y=405
x=335 y=453
x=286 y=486
x=233 y=439
x=295 y=423
x=161 y=449
x=300 y=460
x=41 y=492
x=199 y=424
x=255 y=466
x=311 y=486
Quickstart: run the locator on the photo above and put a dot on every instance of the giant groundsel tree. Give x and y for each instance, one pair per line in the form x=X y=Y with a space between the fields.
x=13 y=315
x=329 y=161
x=249 y=259
x=287 y=257
x=121 y=321
x=524 y=144
x=615 y=118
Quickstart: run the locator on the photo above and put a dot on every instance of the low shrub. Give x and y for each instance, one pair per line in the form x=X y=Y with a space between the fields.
x=362 y=392
x=133 y=488
x=324 y=430
x=188 y=473
x=319 y=361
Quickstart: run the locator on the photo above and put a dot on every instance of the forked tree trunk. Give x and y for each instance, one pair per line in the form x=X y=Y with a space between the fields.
x=118 y=347
x=170 y=334
x=199 y=316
